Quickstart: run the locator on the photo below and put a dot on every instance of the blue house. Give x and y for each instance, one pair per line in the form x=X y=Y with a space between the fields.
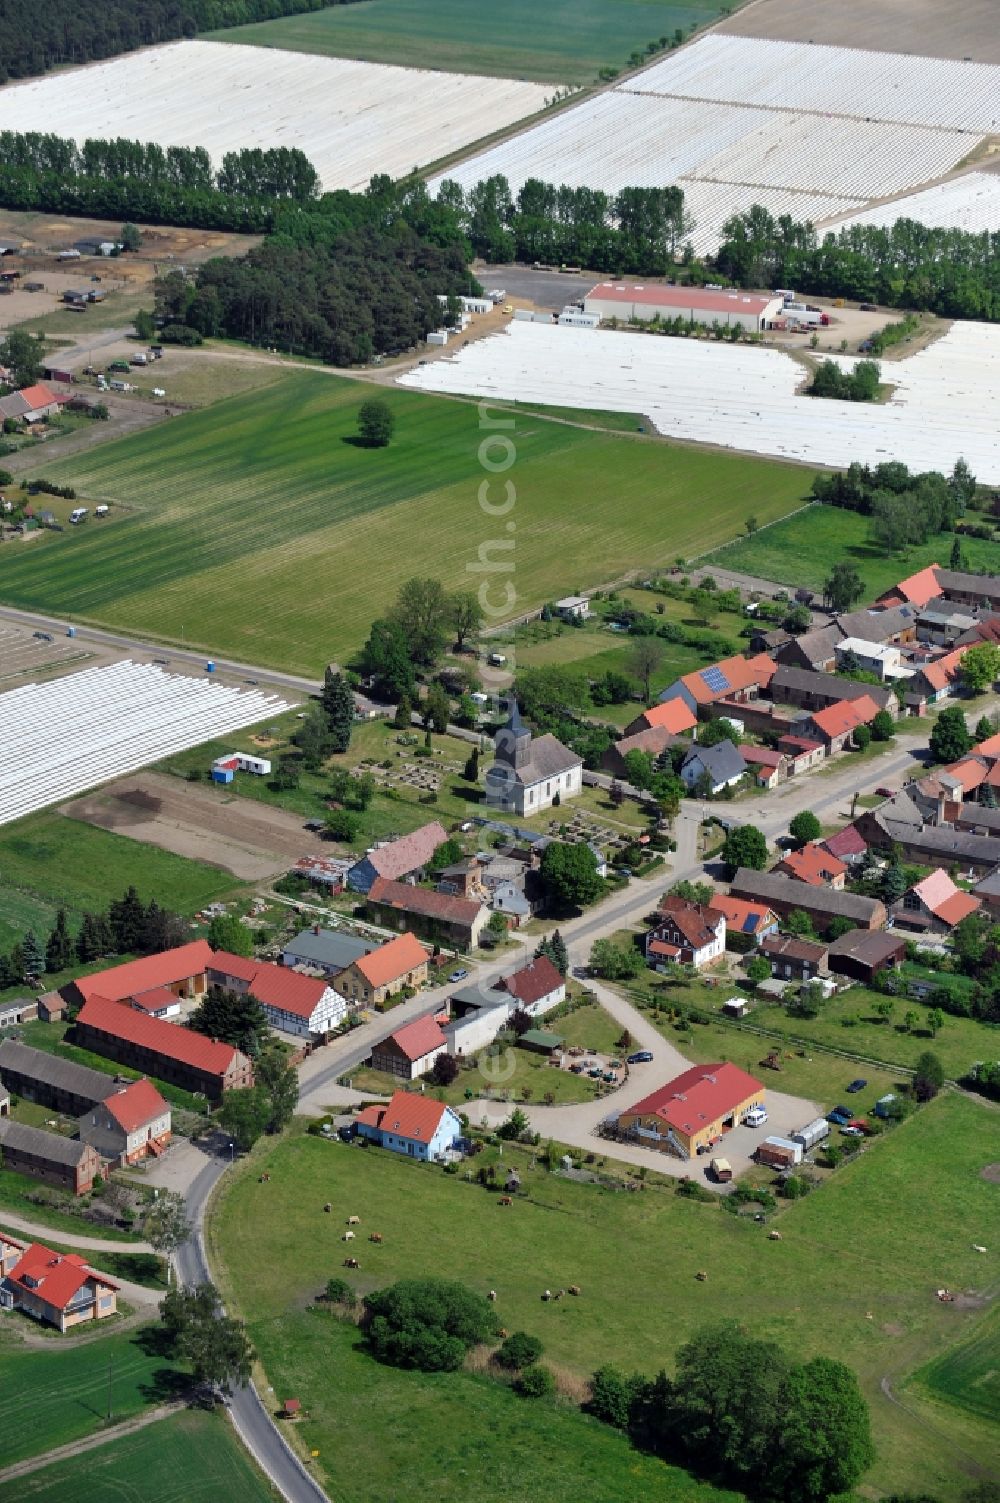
x=411 y=1124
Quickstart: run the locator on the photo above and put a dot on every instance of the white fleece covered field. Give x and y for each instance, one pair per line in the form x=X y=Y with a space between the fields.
x=745 y=121
x=351 y=119
x=970 y=202
x=745 y=397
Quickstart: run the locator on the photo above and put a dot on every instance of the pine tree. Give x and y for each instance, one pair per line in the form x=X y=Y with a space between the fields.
x=127 y=918
x=338 y=702
x=33 y=962
x=104 y=936
x=471 y=773
x=559 y=954
x=59 y=950
x=404 y=712
x=86 y=940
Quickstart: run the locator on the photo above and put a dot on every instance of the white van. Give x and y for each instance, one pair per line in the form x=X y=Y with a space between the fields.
x=101 y=511
x=78 y=513
x=756 y=1116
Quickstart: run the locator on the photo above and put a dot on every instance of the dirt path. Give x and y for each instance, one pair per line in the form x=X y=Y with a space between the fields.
x=89 y=1442
x=86 y=1244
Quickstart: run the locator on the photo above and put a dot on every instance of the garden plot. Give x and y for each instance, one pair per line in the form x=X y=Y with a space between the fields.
x=970 y=203
x=961 y=96
x=944 y=402
x=63 y=737
x=351 y=119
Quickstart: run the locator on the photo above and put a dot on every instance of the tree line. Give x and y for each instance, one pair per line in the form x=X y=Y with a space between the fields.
x=35 y=38
x=954 y=273
x=639 y=230
x=126 y=927
x=905 y=507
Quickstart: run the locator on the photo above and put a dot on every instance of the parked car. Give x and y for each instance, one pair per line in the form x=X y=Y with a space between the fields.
x=641 y=1057
x=840 y=1116
x=851 y=1132
x=458 y=975
x=886 y=792
x=855 y=1086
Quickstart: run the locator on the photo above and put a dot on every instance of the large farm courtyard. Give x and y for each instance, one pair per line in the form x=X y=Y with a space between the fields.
x=853 y=1277
x=259 y=528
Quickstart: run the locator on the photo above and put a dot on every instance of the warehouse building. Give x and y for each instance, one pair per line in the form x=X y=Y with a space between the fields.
x=694 y=1110
x=176 y=1055
x=627 y=301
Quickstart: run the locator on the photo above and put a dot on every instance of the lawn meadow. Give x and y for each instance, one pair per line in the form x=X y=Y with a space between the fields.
x=258 y=528
x=190 y=1457
x=563 y=41
x=48 y=861
x=853 y=1277
x=60 y=1394
x=801 y=550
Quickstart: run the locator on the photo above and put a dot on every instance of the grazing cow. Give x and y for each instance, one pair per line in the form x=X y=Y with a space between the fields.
x=328 y=1207
x=701 y=1275
x=559 y=1294
x=354 y=1221
x=547 y=1294
x=976 y=1247
x=506 y=1200
x=774 y=1236
x=503 y=1333
x=492 y=1295
x=348 y=1236
x=574 y=1289
x=351 y=1263
x=375 y=1237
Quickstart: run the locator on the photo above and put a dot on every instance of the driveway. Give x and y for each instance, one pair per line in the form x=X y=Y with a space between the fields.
x=577 y=1125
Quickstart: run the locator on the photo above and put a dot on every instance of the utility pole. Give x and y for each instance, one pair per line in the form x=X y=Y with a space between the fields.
x=109 y=1390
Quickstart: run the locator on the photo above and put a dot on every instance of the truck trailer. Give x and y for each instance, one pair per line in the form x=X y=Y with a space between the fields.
x=779 y=1153
x=814 y=1132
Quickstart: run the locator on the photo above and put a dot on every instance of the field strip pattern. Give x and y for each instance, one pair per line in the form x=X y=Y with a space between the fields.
x=970 y=203
x=352 y=119
x=63 y=737
x=765 y=120
x=887 y=86
x=944 y=404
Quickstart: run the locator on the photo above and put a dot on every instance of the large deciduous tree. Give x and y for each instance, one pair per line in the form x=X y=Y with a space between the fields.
x=745 y=846
x=950 y=737
x=569 y=874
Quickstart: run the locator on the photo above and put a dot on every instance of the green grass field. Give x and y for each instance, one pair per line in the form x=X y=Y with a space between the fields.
x=49 y=862
x=58 y=1395
x=265 y=498
x=191 y=1457
x=853 y=1278
x=801 y=550
x=564 y=41
x=968 y=1375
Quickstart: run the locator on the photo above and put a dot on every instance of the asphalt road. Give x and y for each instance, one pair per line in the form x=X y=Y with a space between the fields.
x=550 y=290
x=254 y=1425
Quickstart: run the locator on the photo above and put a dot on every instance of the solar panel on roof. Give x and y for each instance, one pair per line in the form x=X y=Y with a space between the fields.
x=748 y=924
x=715 y=679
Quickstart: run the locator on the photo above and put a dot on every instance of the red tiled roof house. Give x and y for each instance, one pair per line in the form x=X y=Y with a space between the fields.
x=179 y=1056
x=411 y=1050
x=933 y=906
x=537 y=987
x=435 y=915
x=815 y=865
x=372 y=979
x=411 y=1124
x=694 y=1110
x=133 y=1122
x=686 y=934
x=397 y=859
x=303 y=1006
x=58 y=1288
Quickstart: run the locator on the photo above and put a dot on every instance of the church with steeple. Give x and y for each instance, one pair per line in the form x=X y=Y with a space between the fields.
x=530 y=772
